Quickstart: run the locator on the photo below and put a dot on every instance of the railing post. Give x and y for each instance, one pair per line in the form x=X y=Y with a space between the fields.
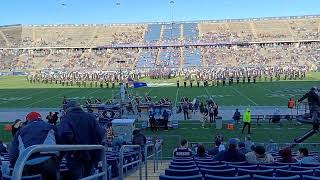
x=154 y=159
x=140 y=162
x=121 y=162
x=146 y=162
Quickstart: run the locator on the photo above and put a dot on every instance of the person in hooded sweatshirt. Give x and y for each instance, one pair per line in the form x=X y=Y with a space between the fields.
x=231 y=154
x=258 y=156
x=80 y=127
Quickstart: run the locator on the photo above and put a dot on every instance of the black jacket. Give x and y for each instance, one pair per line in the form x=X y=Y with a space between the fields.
x=313 y=99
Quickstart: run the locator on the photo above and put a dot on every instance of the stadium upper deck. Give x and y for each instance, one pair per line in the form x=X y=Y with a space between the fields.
x=245 y=30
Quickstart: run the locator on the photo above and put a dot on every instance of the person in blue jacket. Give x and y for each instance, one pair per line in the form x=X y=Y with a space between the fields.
x=35 y=132
x=79 y=127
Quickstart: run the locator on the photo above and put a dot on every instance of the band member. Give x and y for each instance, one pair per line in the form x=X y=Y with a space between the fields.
x=185 y=84
x=238 y=80
x=198 y=83
x=254 y=80
x=178 y=83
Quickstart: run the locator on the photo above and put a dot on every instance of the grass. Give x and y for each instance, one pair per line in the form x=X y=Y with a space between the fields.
x=16 y=92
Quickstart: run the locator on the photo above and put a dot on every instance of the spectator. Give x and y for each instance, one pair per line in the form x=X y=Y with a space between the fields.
x=36 y=132
x=55 y=118
x=216 y=112
x=313 y=102
x=138 y=138
x=232 y=154
x=304 y=157
x=248 y=143
x=286 y=155
x=16 y=126
x=79 y=127
x=211 y=113
x=242 y=148
x=49 y=118
x=201 y=151
x=272 y=146
x=165 y=116
x=185 y=108
x=276 y=116
x=215 y=150
x=258 y=155
x=205 y=114
x=152 y=122
x=183 y=150
x=236 y=116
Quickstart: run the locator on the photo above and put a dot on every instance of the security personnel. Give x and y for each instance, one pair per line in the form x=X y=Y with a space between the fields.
x=291 y=103
x=246 y=120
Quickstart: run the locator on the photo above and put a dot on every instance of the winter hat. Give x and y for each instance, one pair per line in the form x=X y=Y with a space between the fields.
x=33 y=116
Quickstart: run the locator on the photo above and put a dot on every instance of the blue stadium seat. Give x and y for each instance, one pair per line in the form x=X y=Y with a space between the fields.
x=244 y=163
x=34 y=177
x=300 y=168
x=251 y=167
x=210 y=177
x=263 y=167
x=317 y=172
x=224 y=172
x=285 y=173
x=195 y=177
x=182 y=167
x=188 y=172
x=186 y=163
x=310 y=165
x=204 y=160
x=217 y=167
x=289 y=164
x=182 y=159
x=305 y=177
x=258 y=177
x=213 y=163
x=267 y=172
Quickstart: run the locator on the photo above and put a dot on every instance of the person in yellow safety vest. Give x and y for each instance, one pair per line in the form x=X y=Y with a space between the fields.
x=246 y=120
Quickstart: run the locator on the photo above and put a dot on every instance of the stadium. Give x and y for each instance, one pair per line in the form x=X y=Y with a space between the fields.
x=226 y=99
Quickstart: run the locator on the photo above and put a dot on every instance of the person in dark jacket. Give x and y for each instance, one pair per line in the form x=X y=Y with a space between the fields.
x=232 y=154
x=3 y=148
x=313 y=102
x=236 y=116
x=35 y=132
x=165 y=115
x=138 y=138
x=18 y=124
x=79 y=127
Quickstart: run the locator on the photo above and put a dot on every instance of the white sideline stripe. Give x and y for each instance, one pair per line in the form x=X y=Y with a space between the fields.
x=51 y=97
x=241 y=94
x=177 y=92
x=30 y=95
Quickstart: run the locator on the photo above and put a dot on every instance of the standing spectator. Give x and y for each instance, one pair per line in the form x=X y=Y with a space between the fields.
x=211 y=113
x=314 y=103
x=236 y=116
x=36 y=132
x=165 y=115
x=291 y=105
x=79 y=127
x=185 y=108
x=183 y=150
x=205 y=114
x=216 y=112
x=246 y=120
x=304 y=157
x=258 y=155
x=152 y=122
x=232 y=154
x=286 y=155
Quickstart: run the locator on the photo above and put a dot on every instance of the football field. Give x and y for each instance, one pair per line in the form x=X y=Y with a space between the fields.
x=16 y=92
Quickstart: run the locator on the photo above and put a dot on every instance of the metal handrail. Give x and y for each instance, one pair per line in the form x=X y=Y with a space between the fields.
x=146 y=158
x=20 y=163
x=121 y=166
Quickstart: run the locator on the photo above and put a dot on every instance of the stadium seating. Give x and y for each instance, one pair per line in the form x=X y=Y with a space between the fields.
x=268 y=172
x=182 y=167
x=305 y=177
x=259 y=177
x=35 y=177
x=225 y=172
x=210 y=177
x=187 y=172
x=285 y=173
x=195 y=177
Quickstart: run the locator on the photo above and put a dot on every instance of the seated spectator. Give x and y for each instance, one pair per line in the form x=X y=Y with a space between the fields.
x=286 y=155
x=215 y=150
x=248 y=143
x=258 y=155
x=242 y=148
x=236 y=116
x=201 y=151
x=232 y=154
x=138 y=138
x=183 y=150
x=36 y=132
x=304 y=157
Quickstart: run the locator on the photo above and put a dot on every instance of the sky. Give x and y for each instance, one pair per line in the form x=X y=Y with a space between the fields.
x=136 y=11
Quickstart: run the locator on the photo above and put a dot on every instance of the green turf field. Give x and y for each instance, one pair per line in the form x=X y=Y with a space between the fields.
x=16 y=92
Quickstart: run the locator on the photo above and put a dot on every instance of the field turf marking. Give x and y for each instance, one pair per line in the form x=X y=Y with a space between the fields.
x=29 y=95
x=175 y=102
x=241 y=94
x=268 y=90
x=51 y=97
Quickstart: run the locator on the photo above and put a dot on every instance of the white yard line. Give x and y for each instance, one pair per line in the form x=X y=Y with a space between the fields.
x=29 y=95
x=27 y=106
x=175 y=103
x=241 y=94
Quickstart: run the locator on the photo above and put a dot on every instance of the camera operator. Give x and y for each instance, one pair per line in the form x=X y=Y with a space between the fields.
x=313 y=102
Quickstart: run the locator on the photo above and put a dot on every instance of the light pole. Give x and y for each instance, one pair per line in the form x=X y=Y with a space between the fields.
x=171 y=6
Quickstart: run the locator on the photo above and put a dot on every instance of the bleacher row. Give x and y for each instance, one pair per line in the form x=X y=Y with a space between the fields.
x=113 y=160
x=199 y=168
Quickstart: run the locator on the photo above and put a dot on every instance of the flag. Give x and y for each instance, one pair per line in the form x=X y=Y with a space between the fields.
x=139 y=84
